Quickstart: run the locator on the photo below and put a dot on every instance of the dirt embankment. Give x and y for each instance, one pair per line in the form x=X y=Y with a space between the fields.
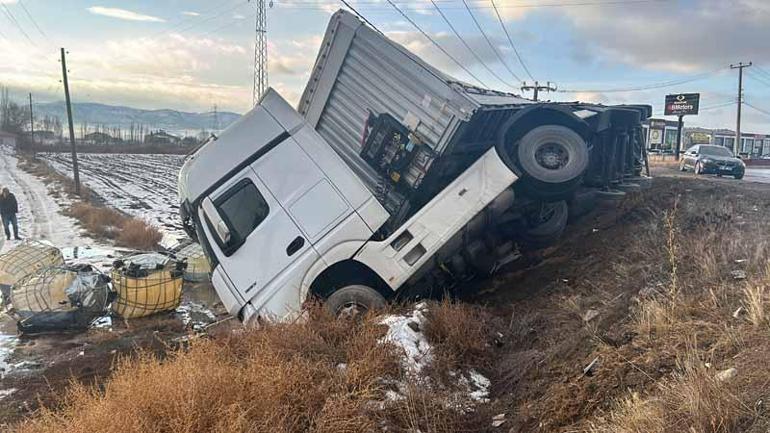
x=654 y=317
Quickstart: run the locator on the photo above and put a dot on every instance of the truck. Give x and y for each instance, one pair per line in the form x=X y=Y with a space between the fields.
x=392 y=178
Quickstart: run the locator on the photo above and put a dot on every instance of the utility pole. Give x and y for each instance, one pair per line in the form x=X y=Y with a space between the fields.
x=31 y=122
x=549 y=87
x=740 y=67
x=260 y=52
x=69 y=118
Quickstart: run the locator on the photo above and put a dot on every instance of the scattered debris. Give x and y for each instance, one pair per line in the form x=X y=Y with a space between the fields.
x=146 y=284
x=198 y=268
x=739 y=261
x=725 y=375
x=62 y=298
x=589 y=369
x=498 y=420
x=590 y=315
x=23 y=260
x=6 y=392
x=738 y=274
x=740 y=311
x=195 y=316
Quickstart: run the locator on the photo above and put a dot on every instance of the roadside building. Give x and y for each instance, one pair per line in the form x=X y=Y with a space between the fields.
x=7 y=139
x=161 y=137
x=753 y=146
x=100 y=138
x=45 y=138
x=660 y=135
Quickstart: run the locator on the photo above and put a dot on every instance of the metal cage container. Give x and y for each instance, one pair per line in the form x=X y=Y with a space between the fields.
x=146 y=284
x=23 y=260
x=198 y=268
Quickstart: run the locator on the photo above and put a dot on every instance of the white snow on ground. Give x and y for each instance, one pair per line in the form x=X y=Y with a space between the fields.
x=7 y=344
x=402 y=333
x=405 y=332
x=39 y=216
x=143 y=186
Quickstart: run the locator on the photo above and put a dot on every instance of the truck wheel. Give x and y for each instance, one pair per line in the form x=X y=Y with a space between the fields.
x=546 y=226
x=582 y=203
x=353 y=301
x=552 y=154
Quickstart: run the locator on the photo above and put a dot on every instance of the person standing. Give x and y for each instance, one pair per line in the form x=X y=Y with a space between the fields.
x=8 y=210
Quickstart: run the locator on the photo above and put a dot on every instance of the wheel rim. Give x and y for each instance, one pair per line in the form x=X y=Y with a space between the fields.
x=351 y=310
x=552 y=156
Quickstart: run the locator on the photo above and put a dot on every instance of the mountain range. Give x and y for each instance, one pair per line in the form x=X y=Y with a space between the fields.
x=119 y=116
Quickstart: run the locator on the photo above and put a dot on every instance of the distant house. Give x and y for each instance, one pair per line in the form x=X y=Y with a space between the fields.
x=7 y=139
x=46 y=138
x=100 y=138
x=161 y=137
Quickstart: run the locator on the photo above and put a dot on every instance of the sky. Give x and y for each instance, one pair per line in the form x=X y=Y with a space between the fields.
x=194 y=54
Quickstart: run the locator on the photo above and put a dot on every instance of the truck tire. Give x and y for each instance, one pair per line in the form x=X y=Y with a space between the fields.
x=548 y=228
x=581 y=203
x=353 y=301
x=552 y=154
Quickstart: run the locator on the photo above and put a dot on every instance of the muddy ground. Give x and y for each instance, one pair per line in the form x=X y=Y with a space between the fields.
x=42 y=366
x=559 y=314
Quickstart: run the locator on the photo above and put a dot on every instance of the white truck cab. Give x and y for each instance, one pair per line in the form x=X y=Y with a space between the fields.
x=282 y=217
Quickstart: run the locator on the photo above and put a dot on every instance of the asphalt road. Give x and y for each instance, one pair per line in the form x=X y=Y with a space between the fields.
x=761 y=175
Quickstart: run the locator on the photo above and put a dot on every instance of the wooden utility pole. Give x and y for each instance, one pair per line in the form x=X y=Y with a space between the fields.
x=740 y=67
x=69 y=118
x=537 y=88
x=31 y=122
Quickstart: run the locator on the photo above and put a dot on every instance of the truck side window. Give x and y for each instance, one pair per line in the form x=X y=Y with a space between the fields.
x=243 y=208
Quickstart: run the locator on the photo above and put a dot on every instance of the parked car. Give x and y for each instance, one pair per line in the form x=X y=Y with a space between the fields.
x=392 y=178
x=712 y=159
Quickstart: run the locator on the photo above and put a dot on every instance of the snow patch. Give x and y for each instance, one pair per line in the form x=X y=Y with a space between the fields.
x=6 y=392
x=195 y=315
x=404 y=332
x=7 y=346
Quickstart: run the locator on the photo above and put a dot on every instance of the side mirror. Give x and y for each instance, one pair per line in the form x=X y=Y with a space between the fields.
x=220 y=226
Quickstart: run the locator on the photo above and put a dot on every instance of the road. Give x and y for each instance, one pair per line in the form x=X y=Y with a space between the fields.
x=761 y=175
x=39 y=214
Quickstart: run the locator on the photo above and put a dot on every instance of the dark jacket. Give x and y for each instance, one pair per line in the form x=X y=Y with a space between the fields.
x=8 y=205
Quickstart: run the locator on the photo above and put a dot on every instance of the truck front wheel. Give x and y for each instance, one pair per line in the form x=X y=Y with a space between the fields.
x=353 y=301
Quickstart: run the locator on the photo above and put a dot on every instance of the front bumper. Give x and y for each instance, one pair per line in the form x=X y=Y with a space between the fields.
x=730 y=170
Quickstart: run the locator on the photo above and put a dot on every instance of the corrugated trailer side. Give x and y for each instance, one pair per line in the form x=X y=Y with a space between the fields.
x=359 y=71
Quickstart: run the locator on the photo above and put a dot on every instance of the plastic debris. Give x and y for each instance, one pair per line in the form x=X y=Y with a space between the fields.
x=62 y=298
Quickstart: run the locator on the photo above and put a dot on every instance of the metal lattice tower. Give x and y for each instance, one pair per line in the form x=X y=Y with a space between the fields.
x=260 y=52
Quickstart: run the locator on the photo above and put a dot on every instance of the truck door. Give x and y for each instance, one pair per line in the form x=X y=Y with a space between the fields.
x=256 y=239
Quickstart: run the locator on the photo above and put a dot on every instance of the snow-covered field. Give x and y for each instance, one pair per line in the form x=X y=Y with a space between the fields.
x=143 y=186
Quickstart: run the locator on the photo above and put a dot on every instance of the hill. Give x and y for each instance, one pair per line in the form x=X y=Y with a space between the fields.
x=119 y=116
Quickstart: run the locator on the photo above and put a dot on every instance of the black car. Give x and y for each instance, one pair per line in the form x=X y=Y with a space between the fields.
x=711 y=159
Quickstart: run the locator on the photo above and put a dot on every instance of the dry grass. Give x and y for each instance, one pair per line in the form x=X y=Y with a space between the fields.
x=108 y=223
x=320 y=375
x=691 y=319
x=460 y=335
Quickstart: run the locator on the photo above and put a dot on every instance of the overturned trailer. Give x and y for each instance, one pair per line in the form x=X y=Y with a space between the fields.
x=392 y=178
x=365 y=90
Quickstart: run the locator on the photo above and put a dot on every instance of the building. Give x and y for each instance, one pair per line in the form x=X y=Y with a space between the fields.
x=753 y=146
x=161 y=137
x=46 y=138
x=100 y=138
x=7 y=139
x=660 y=135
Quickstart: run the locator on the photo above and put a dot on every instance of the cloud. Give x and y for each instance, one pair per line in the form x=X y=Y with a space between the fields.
x=238 y=17
x=123 y=14
x=676 y=37
x=191 y=14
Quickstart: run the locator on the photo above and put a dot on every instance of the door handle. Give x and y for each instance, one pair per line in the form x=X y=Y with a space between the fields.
x=295 y=245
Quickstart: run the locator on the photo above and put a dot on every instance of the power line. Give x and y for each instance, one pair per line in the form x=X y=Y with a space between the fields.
x=13 y=20
x=479 y=59
x=648 y=87
x=763 y=71
x=34 y=22
x=761 y=110
x=473 y=17
x=510 y=41
x=419 y=6
x=759 y=78
x=406 y=17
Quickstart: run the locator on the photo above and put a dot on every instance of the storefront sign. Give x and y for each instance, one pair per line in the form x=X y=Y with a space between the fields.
x=682 y=104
